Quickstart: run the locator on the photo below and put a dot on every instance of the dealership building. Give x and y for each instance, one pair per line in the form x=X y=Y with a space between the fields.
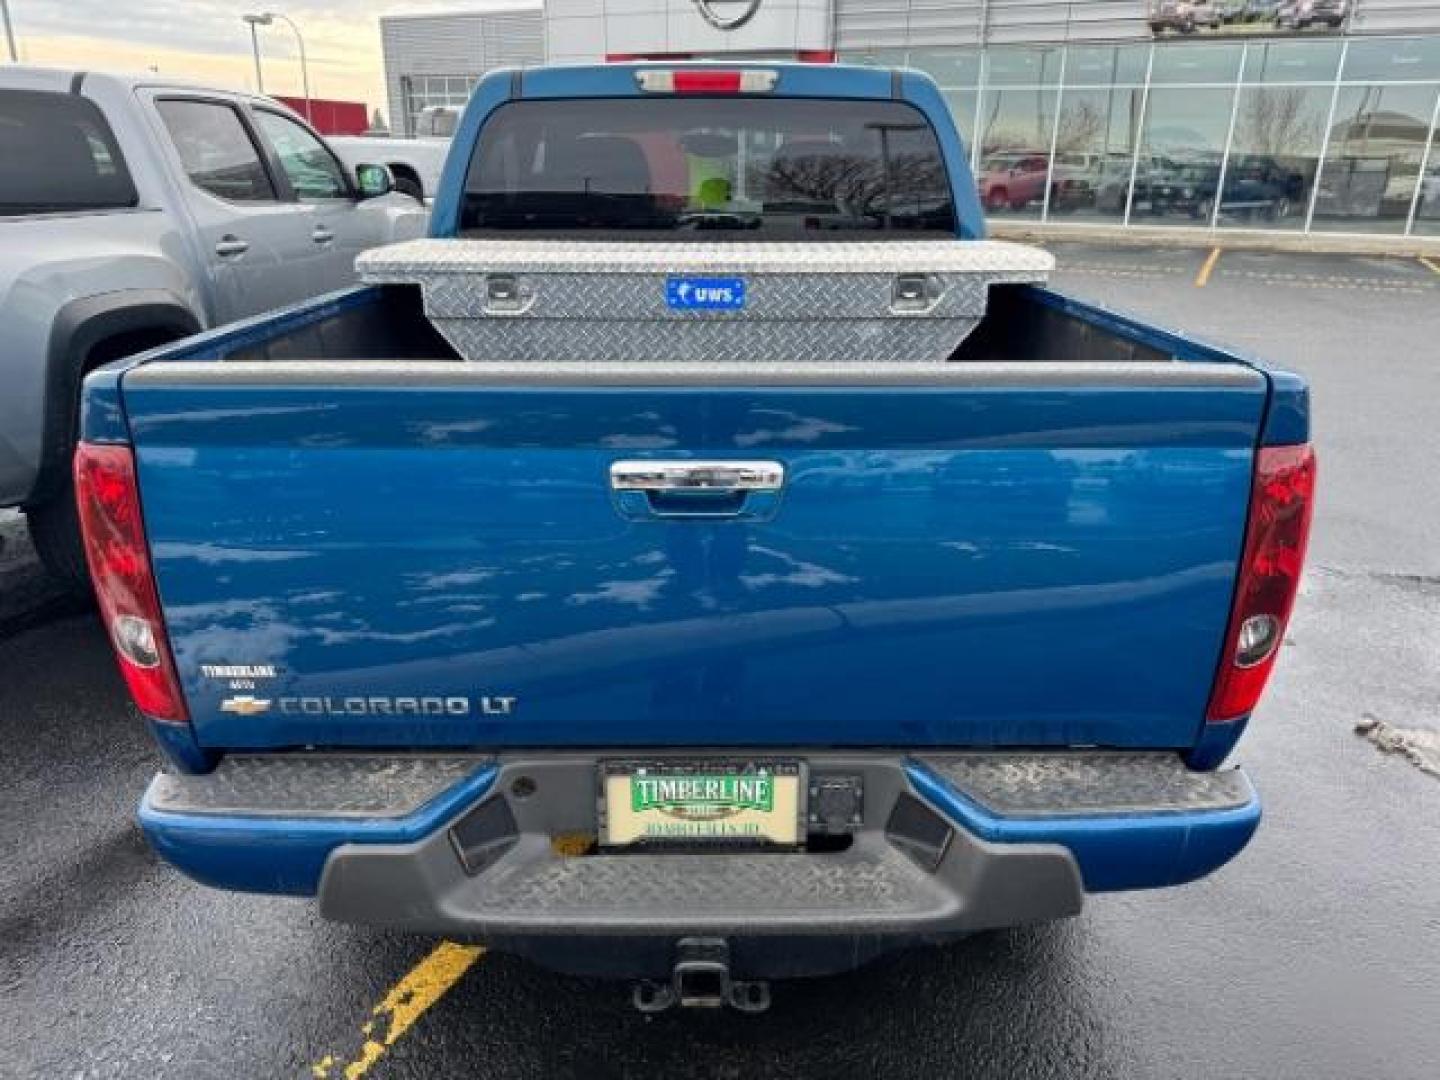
x=1312 y=115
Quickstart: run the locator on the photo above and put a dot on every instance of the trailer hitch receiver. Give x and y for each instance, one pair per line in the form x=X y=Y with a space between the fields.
x=701 y=980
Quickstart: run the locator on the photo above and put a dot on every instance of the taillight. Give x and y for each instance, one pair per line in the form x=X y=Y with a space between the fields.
x=707 y=81
x=1281 y=500
x=109 y=504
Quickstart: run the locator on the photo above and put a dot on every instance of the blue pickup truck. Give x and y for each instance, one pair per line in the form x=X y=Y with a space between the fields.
x=983 y=646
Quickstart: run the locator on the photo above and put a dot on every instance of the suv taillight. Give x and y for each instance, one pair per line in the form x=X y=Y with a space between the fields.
x=1281 y=501
x=109 y=504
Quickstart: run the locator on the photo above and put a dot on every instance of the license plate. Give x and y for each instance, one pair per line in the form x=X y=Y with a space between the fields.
x=701 y=802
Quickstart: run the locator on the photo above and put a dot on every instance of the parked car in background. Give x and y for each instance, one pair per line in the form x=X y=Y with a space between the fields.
x=1263 y=10
x=1429 y=197
x=416 y=163
x=1253 y=189
x=1113 y=187
x=1301 y=14
x=1074 y=178
x=137 y=210
x=1013 y=179
x=1113 y=184
x=1183 y=16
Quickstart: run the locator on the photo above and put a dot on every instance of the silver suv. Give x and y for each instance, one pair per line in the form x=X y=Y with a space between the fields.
x=134 y=211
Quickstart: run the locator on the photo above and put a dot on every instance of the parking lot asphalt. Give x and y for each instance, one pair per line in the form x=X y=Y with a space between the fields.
x=1315 y=954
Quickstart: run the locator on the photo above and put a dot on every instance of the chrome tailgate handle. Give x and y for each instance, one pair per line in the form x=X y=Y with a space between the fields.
x=697 y=476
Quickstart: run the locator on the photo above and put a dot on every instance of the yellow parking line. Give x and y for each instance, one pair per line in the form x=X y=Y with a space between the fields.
x=1431 y=263
x=1202 y=278
x=426 y=984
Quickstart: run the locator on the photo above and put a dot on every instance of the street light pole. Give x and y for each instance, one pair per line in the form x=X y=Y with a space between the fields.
x=9 y=31
x=254 y=21
x=304 y=67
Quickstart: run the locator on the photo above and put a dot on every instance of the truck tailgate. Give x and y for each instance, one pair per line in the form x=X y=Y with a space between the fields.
x=412 y=554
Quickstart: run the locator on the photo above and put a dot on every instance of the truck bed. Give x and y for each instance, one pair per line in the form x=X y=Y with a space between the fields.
x=1023 y=325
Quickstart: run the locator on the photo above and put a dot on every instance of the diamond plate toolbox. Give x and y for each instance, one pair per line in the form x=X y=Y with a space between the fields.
x=676 y=302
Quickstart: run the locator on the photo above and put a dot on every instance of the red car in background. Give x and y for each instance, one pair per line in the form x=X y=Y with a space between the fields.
x=1013 y=179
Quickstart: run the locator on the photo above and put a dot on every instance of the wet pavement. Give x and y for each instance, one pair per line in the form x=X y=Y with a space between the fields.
x=1315 y=954
x=28 y=596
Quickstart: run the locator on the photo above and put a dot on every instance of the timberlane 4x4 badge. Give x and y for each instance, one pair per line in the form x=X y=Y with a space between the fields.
x=736 y=13
x=702 y=798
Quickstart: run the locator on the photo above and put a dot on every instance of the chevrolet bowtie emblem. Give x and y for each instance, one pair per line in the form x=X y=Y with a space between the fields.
x=245 y=705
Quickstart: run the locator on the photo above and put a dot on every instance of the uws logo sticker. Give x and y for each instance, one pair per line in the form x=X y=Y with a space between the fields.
x=705 y=294
x=727 y=14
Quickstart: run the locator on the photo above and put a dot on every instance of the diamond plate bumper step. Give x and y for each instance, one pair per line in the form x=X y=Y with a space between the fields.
x=1088 y=783
x=314 y=785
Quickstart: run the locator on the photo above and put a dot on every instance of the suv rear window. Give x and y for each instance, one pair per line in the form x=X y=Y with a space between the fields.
x=739 y=168
x=58 y=154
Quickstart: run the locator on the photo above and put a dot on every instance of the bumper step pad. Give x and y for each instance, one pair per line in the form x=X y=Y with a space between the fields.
x=1084 y=783
x=314 y=785
x=872 y=882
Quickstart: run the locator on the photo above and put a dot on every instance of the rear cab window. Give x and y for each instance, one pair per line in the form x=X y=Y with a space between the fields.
x=216 y=150
x=731 y=168
x=58 y=155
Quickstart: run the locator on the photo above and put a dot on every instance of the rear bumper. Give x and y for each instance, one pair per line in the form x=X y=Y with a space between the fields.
x=950 y=843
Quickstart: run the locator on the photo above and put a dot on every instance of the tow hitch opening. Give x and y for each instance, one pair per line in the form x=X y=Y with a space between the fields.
x=701 y=980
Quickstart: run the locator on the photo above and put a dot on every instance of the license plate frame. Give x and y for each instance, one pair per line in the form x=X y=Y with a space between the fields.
x=728 y=816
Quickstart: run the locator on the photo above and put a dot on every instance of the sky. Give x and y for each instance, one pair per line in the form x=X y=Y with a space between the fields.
x=206 y=40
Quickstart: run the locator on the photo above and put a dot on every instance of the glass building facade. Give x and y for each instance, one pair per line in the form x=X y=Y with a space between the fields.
x=1312 y=133
x=434 y=60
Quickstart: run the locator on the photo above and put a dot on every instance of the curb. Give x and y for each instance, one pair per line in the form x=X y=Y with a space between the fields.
x=1229 y=239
